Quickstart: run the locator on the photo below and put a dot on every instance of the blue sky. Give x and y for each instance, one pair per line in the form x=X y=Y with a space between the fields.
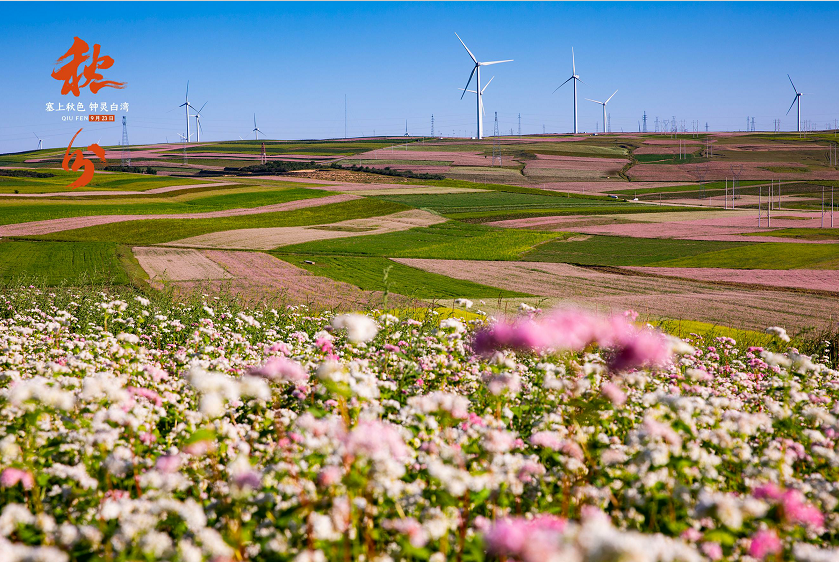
x=292 y=64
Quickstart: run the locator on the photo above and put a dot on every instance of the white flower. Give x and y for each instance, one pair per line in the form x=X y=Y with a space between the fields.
x=465 y=303
x=360 y=328
x=778 y=332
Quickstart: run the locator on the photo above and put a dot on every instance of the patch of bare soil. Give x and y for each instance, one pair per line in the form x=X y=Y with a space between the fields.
x=270 y=238
x=177 y=264
x=347 y=176
x=258 y=277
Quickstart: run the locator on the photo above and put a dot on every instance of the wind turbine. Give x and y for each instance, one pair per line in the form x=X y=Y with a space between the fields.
x=198 y=123
x=797 y=99
x=256 y=130
x=478 y=89
x=186 y=105
x=40 y=142
x=603 y=103
x=481 y=97
x=576 y=79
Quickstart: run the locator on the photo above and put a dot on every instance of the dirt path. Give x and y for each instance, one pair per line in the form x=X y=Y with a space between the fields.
x=652 y=296
x=58 y=225
x=270 y=238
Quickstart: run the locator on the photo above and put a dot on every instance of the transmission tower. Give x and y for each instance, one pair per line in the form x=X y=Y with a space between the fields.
x=706 y=126
x=753 y=124
x=432 y=124
x=263 y=157
x=496 y=149
x=656 y=124
x=519 y=125
x=645 y=121
x=126 y=156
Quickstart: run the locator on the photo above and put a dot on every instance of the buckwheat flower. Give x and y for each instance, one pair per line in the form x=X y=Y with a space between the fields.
x=452 y=324
x=388 y=319
x=639 y=350
x=168 y=463
x=310 y=556
x=465 y=303
x=417 y=535
x=360 y=328
x=128 y=338
x=12 y=476
x=280 y=369
x=14 y=514
x=142 y=300
x=375 y=440
x=712 y=550
x=778 y=332
x=765 y=543
x=211 y=405
x=613 y=393
x=254 y=387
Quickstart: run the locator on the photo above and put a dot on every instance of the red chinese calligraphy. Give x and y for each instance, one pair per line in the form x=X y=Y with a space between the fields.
x=69 y=73
x=80 y=161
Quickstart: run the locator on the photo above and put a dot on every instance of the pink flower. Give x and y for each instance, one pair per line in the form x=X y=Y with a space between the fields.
x=798 y=512
x=168 y=463
x=712 y=550
x=375 y=440
x=417 y=536
x=536 y=540
x=280 y=369
x=329 y=475
x=638 y=350
x=765 y=543
x=615 y=395
x=11 y=476
x=145 y=393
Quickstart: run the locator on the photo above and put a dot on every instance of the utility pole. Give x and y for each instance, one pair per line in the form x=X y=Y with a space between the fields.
x=126 y=156
x=656 y=124
x=543 y=128
x=645 y=121
x=345 y=115
x=519 y=125
x=496 y=149
x=432 y=124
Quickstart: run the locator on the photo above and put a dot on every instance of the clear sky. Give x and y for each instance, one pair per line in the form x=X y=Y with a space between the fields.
x=293 y=63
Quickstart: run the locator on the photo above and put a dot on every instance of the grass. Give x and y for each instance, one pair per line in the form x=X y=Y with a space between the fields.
x=624 y=251
x=787 y=169
x=458 y=204
x=449 y=240
x=156 y=231
x=60 y=263
x=684 y=328
x=675 y=188
x=111 y=181
x=801 y=233
x=17 y=211
x=368 y=274
x=766 y=255
x=313 y=148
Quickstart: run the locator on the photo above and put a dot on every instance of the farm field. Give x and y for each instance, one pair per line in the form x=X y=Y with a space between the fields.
x=562 y=200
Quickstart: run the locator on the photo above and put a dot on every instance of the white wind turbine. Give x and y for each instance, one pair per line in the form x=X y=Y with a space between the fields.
x=481 y=97
x=603 y=103
x=576 y=79
x=797 y=99
x=477 y=89
x=256 y=130
x=187 y=106
x=198 y=123
x=40 y=142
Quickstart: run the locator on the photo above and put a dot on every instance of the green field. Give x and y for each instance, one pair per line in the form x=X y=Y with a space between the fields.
x=449 y=240
x=677 y=188
x=624 y=251
x=59 y=263
x=368 y=273
x=802 y=233
x=156 y=231
x=102 y=181
x=313 y=148
x=17 y=211
x=467 y=204
x=766 y=255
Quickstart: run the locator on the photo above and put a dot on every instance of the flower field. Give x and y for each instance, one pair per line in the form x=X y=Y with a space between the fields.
x=139 y=430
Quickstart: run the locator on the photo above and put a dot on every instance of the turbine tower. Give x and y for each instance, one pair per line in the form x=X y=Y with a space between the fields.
x=576 y=79
x=198 y=123
x=187 y=106
x=481 y=97
x=40 y=142
x=603 y=103
x=256 y=129
x=798 y=100
x=478 y=89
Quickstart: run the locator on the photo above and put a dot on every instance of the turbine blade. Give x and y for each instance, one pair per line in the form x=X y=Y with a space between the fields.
x=487 y=84
x=494 y=62
x=595 y=101
x=610 y=97
x=474 y=68
x=254 y=120
x=561 y=85
x=187 y=89
x=470 y=91
x=573 y=64
x=793 y=85
x=467 y=49
x=202 y=107
x=792 y=104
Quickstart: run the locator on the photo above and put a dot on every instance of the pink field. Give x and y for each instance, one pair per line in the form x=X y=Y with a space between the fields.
x=456 y=158
x=58 y=225
x=721 y=169
x=563 y=284
x=815 y=279
x=603 y=187
x=605 y=165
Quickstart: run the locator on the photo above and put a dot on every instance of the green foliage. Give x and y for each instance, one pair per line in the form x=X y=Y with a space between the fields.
x=117 y=181
x=132 y=169
x=470 y=202
x=449 y=240
x=766 y=255
x=801 y=233
x=156 y=231
x=624 y=251
x=380 y=274
x=60 y=263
